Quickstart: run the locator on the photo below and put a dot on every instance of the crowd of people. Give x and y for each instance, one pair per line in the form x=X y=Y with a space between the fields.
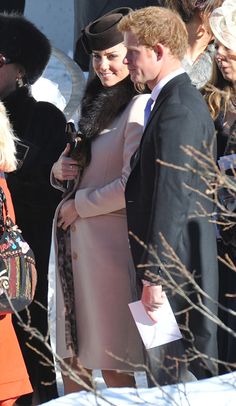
x=133 y=217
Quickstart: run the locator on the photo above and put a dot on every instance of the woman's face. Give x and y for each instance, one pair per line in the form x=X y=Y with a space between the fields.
x=109 y=65
x=8 y=75
x=226 y=61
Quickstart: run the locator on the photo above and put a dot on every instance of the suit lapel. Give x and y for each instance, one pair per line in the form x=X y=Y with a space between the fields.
x=178 y=80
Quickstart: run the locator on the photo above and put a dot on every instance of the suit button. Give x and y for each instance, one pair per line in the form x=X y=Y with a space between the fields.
x=74 y=255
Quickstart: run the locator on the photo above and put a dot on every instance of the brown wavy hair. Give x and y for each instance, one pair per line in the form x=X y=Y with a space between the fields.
x=189 y=8
x=218 y=92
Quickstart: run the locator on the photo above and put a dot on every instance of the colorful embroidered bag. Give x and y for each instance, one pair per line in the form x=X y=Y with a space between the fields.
x=17 y=265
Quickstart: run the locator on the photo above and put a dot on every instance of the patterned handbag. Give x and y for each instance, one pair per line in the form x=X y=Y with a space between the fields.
x=18 y=274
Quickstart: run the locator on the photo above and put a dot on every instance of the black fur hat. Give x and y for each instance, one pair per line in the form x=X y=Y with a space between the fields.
x=21 y=42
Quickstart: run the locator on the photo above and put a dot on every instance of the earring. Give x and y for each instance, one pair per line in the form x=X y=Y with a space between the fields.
x=19 y=82
x=219 y=62
x=2 y=60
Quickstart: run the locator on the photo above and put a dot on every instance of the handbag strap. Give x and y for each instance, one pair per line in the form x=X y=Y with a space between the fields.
x=3 y=204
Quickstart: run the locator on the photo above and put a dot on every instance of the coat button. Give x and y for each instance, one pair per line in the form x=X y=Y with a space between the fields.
x=75 y=255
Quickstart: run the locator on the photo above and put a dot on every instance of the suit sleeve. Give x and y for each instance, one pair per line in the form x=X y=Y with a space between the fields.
x=110 y=197
x=171 y=198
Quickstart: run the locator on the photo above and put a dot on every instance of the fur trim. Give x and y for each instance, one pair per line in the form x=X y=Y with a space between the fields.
x=22 y=42
x=101 y=105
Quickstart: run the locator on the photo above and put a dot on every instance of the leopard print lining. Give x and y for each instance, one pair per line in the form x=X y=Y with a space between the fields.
x=66 y=276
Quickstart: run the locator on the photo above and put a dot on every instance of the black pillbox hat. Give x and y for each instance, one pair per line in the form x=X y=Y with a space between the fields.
x=103 y=33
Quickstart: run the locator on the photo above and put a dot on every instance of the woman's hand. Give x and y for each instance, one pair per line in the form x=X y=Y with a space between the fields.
x=152 y=298
x=67 y=214
x=65 y=168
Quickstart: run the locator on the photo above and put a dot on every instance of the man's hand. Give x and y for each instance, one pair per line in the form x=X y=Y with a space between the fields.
x=65 y=168
x=152 y=298
x=67 y=214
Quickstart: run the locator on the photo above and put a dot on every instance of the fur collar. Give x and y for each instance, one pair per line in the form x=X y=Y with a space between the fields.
x=101 y=105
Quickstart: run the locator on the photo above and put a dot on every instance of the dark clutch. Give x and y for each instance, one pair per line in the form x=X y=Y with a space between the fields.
x=80 y=149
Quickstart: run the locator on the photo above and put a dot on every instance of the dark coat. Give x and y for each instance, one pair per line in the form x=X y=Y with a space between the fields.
x=227 y=276
x=41 y=127
x=158 y=202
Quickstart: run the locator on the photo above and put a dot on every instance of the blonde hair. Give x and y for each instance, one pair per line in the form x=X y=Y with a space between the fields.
x=153 y=25
x=8 y=160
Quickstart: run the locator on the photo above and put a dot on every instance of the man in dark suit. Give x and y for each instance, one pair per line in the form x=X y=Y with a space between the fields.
x=172 y=247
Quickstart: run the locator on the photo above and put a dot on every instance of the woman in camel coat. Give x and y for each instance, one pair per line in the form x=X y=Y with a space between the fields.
x=100 y=283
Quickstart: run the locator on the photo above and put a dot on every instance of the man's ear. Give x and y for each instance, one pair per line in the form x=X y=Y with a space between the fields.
x=158 y=49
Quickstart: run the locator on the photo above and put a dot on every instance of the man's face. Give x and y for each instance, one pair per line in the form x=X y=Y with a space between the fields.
x=141 y=60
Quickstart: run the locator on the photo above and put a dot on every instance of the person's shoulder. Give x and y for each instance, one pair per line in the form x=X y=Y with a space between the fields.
x=139 y=101
x=187 y=101
x=134 y=112
x=187 y=94
x=48 y=106
x=49 y=110
x=176 y=87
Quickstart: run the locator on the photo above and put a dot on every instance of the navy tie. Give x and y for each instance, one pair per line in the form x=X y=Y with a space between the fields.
x=147 y=111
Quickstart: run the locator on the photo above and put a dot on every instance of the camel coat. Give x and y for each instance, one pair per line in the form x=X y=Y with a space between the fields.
x=103 y=271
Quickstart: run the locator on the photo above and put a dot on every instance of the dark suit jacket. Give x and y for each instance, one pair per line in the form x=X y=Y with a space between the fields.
x=159 y=203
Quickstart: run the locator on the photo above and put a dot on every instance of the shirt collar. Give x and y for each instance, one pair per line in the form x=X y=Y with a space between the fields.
x=157 y=89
